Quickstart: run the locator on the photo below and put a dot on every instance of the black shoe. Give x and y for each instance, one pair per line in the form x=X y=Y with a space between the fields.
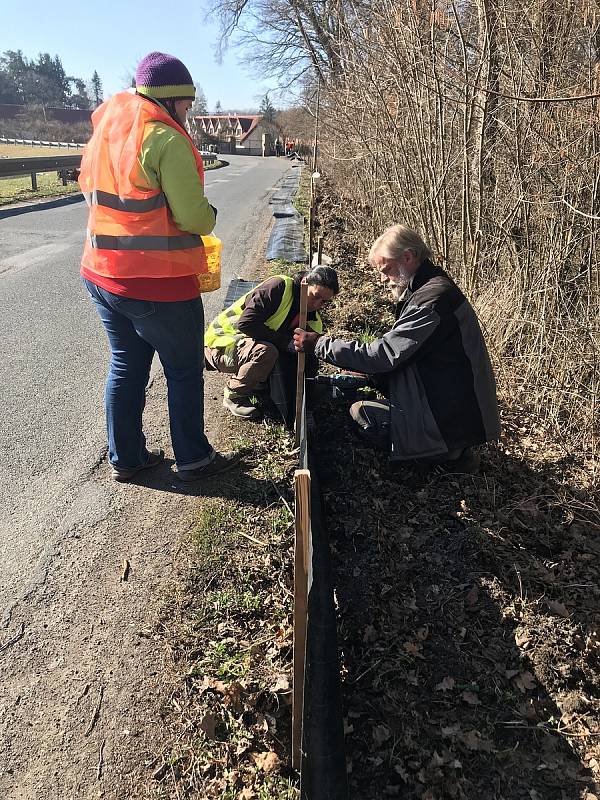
x=468 y=463
x=220 y=463
x=155 y=457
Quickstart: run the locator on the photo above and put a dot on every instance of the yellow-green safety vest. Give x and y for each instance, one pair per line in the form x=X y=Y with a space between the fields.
x=223 y=333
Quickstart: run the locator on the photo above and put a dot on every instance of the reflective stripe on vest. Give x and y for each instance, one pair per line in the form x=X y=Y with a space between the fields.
x=117 y=203
x=185 y=242
x=223 y=332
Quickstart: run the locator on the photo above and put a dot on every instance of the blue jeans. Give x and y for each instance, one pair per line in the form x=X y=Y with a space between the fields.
x=137 y=329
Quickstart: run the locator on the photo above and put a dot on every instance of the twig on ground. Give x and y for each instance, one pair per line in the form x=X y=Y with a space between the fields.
x=14 y=639
x=101 y=759
x=96 y=714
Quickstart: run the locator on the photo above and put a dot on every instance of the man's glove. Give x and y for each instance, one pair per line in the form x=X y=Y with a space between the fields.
x=305 y=342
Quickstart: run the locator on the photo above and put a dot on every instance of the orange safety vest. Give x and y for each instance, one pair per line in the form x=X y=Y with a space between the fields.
x=131 y=232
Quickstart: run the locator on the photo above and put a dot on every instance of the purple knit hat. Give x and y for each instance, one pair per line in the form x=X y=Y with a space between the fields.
x=163 y=76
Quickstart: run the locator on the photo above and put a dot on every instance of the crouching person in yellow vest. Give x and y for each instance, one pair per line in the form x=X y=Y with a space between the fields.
x=246 y=339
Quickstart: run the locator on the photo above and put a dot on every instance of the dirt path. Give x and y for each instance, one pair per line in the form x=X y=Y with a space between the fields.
x=78 y=668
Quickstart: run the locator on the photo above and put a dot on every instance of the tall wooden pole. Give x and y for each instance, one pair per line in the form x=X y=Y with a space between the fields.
x=301 y=363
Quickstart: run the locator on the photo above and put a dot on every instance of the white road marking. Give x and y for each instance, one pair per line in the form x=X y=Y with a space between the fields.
x=35 y=255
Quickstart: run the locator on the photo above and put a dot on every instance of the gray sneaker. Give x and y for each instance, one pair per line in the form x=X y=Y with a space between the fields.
x=240 y=406
x=155 y=457
x=220 y=463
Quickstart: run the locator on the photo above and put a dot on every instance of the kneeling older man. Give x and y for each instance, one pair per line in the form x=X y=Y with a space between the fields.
x=432 y=366
x=246 y=339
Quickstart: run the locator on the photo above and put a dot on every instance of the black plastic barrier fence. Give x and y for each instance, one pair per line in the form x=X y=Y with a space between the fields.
x=323 y=773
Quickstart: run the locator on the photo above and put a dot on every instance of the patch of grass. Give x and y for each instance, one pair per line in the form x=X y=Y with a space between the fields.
x=29 y=151
x=213 y=165
x=17 y=190
x=279 y=266
x=208 y=535
x=302 y=199
x=229 y=634
x=224 y=660
x=367 y=335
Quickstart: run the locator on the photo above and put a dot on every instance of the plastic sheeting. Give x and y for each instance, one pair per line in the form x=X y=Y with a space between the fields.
x=287 y=237
x=287 y=240
x=284 y=210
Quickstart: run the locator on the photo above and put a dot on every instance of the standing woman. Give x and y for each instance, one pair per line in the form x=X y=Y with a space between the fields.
x=143 y=180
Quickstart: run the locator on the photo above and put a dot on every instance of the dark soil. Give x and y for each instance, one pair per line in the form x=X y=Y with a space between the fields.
x=468 y=604
x=468 y=611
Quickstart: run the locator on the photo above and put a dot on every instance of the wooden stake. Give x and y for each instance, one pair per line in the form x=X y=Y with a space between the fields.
x=319 y=249
x=301 y=548
x=301 y=364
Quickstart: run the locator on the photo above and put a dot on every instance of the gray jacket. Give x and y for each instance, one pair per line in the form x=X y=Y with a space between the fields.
x=435 y=367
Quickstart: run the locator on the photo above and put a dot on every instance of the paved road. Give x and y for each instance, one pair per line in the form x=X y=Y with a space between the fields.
x=55 y=356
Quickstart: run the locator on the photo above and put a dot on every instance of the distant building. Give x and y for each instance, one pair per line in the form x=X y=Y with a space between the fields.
x=246 y=130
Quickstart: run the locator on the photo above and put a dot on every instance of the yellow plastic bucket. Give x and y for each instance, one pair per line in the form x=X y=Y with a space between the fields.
x=211 y=280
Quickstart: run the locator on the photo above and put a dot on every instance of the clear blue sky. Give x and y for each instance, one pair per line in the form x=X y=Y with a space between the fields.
x=112 y=37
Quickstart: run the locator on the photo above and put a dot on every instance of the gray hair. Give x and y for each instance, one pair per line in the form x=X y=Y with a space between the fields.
x=394 y=241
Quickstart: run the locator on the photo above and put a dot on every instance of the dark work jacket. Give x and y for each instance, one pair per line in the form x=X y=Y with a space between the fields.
x=261 y=304
x=440 y=382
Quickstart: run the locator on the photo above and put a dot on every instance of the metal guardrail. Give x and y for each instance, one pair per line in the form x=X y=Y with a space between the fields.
x=40 y=143
x=26 y=166
x=14 y=167
x=11 y=167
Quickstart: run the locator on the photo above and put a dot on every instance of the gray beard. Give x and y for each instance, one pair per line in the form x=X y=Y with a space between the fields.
x=397 y=292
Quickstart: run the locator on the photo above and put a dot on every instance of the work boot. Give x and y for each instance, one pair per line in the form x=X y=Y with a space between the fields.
x=240 y=405
x=222 y=462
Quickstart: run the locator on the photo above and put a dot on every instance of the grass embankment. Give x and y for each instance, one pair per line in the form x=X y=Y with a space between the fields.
x=227 y=630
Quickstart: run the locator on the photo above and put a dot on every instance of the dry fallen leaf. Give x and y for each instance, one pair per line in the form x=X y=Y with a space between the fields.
x=208 y=724
x=451 y=730
x=267 y=762
x=445 y=685
x=470 y=698
x=412 y=648
x=474 y=741
x=381 y=733
x=558 y=608
x=232 y=696
x=525 y=681
x=247 y=794
x=473 y=595
x=282 y=684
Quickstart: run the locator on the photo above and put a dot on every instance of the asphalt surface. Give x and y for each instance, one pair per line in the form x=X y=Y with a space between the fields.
x=53 y=366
